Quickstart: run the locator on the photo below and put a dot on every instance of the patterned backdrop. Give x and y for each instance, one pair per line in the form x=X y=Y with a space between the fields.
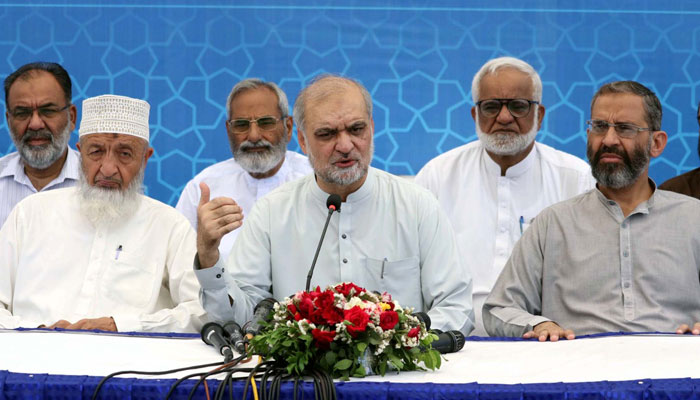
x=417 y=58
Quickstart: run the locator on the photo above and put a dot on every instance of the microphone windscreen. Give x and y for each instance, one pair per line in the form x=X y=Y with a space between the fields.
x=334 y=200
x=424 y=318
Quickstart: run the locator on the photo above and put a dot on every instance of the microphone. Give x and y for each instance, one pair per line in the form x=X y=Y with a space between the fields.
x=424 y=318
x=234 y=335
x=333 y=204
x=213 y=335
x=448 y=342
x=260 y=314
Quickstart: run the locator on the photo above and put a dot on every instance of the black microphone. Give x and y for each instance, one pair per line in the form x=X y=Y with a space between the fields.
x=213 y=335
x=234 y=335
x=424 y=318
x=260 y=314
x=333 y=203
x=448 y=342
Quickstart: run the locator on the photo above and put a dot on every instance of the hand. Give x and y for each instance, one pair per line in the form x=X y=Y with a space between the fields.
x=685 y=329
x=549 y=330
x=104 y=324
x=215 y=218
x=58 y=324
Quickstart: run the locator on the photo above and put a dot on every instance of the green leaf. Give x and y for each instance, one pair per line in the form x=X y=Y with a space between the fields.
x=343 y=364
x=330 y=357
x=361 y=347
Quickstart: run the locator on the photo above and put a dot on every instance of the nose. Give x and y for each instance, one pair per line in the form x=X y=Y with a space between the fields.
x=344 y=143
x=108 y=167
x=610 y=138
x=255 y=133
x=35 y=122
x=504 y=116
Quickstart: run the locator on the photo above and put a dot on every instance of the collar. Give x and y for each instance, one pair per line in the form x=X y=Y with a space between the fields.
x=642 y=208
x=355 y=197
x=514 y=171
x=15 y=169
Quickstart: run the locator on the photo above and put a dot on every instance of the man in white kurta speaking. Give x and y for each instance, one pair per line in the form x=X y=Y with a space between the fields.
x=259 y=127
x=390 y=234
x=492 y=188
x=101 y=255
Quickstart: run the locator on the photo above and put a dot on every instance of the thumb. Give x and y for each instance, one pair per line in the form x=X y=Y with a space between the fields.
x=204 y=196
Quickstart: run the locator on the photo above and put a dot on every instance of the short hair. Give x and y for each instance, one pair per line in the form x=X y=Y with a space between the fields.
x=495 y=64
x=652 y=105
x=255 y=83
x=26 y=71
x=334 y=83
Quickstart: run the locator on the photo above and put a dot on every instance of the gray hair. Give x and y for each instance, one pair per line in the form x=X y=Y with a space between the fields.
x=652 y=105
x=322 y=86
x=495 y=64
x=255 y=83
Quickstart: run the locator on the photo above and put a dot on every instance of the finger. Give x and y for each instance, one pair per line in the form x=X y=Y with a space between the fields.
x=696 y=328
x=211 y=210
x=569 y=334
x=554 y=336
x=682 y=329
x=528 y=335
x=204 y=196
x=543 y=335
x=221 y=201
x=60 y=324
x=78 y=325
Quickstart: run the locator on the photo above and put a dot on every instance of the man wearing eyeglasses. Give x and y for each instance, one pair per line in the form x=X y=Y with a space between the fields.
x=40 y=119
x=622 y=257
x=687 y=183
x=492 y=188
x=259 y=127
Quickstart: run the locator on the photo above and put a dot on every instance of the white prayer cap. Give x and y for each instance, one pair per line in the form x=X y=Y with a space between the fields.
x=115 y=114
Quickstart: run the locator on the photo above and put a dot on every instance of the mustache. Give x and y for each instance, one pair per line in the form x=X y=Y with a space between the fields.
x=251 y=145
x=40 y=134
x=610 y=150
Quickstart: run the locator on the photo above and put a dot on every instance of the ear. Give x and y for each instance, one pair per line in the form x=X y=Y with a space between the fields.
x=474 y=113
x=77 y=145
x=289 y=124
x=658 y=143
x=147 y=154
x=73 y=111
x=540 y=115
x=302 y=141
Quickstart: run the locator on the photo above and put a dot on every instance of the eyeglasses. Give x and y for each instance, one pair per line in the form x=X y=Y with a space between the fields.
x=518 y=108
x=45 y=112
x=624 y=130
x=242 y=125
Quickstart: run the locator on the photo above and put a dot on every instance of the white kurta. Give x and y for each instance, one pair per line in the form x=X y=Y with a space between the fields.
x=486 y=209
x=390 y=235
x=55 y=265
x=229 y=179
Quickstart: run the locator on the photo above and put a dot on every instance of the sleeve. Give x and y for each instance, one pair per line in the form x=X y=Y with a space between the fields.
x=515 y=303
x=231 y=289
x=188 y=202
x=445 y=281
x=9 y=242
x=187 y=315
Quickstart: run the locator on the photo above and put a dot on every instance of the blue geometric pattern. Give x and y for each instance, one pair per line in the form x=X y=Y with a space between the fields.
x=417 y=58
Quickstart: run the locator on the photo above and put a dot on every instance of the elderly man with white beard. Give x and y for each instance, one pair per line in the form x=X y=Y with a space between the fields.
x=390 y=234
x=492 y=188
x=101 y=255
x=40 y=118
x=259 y=127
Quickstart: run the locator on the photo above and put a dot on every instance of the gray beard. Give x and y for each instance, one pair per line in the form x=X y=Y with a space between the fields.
x=619 y=176
x=259 y=162
x=42 y=157
x=506 y=144
x=104 y=207
x=342 y=176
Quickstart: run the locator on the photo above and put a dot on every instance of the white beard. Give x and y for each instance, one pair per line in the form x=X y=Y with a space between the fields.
x=506 y=144
x=103 y=207
x=42 y=157
x=259 y=162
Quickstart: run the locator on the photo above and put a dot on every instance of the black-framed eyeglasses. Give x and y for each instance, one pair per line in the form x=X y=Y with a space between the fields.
x=518 y=108
x=242 y=125
x=625 y=130
x=45 y=112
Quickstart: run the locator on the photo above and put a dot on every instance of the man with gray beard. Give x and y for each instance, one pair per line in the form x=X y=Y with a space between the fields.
x=389 y=235
x=492 y=188
x=40 y=118
x=624 y=256
x=259 y=127
x=101 y=255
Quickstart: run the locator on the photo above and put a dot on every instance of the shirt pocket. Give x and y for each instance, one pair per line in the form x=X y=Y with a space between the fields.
x=129 y=280
x=399 y=278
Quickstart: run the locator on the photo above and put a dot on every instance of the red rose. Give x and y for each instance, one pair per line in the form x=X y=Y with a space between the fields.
x=413 y=332
x=332 y=315
x=306 y=306
x=344 y=289
x=358 y=318
x=323 y=339
x=388 y=319
x=325 y=300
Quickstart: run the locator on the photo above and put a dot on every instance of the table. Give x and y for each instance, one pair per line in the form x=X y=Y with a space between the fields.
x=49 y=364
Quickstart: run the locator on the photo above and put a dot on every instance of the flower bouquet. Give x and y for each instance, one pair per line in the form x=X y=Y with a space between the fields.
x=345 y=331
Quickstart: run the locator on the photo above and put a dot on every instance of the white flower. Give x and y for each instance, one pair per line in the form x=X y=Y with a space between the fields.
x=355 y=301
